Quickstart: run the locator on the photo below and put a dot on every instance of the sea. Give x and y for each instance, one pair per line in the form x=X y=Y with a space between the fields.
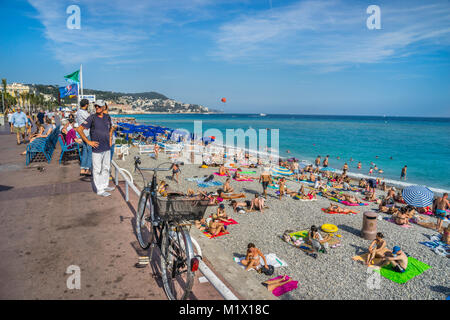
x=390 y=143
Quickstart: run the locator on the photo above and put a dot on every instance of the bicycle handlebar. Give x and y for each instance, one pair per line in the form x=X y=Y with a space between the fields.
x=137 y=162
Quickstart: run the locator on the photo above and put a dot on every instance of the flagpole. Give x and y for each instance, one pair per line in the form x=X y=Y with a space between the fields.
x=81 y=78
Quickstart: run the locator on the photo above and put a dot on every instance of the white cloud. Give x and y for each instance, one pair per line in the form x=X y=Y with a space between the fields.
x=112 y=30
x=331 y=35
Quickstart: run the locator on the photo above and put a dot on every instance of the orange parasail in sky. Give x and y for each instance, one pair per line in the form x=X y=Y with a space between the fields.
x=224 y=100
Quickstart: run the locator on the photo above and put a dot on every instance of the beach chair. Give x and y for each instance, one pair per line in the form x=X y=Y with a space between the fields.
x=147 y=148
x=122 y=151
x=74 y=146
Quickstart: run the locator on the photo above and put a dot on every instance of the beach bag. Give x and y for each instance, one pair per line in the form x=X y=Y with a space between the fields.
x=268 y=271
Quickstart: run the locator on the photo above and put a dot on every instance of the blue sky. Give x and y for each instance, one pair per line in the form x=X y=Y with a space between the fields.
x=271 y=56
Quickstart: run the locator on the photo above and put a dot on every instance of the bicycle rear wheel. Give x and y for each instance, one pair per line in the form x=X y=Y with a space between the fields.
x=176 y=255
x=144 y=227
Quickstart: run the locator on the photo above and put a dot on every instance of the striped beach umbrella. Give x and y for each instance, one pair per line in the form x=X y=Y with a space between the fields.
x=418 y=196
x=281 y=171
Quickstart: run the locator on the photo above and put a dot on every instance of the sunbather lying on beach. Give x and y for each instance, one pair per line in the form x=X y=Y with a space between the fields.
x=252 y=259
x=201 y=224
x=336 y=208
x=273 y=284
x=225 y=196
x=377 y=248
x=238 y=176
x=401 y=218
x=239 y=207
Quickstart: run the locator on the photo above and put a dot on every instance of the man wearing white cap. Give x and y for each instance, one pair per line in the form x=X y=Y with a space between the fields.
x=19 y=121
x=101 y=129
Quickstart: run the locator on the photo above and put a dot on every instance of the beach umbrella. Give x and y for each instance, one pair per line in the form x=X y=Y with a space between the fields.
x=418 y=196
x=281 y=171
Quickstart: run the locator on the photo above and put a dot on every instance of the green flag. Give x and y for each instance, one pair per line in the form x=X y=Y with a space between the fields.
x=73 y=77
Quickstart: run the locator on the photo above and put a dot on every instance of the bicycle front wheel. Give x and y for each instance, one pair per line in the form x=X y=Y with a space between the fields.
x=176 y=255
x=144 y=227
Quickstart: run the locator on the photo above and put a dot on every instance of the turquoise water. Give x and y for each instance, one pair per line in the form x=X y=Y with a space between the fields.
x=420 y=143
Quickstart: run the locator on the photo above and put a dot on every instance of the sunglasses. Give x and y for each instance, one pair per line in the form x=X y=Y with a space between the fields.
x=98 y=107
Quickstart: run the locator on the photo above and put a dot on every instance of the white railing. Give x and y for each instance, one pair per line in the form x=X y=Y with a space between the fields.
x=207 y=272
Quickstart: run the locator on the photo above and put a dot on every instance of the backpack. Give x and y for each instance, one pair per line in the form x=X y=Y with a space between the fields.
x=268 y=271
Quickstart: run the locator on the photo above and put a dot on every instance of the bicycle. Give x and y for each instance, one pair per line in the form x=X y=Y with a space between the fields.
x=161 y=222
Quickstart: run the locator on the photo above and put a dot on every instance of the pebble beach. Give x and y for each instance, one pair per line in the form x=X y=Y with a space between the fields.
x=332 y=275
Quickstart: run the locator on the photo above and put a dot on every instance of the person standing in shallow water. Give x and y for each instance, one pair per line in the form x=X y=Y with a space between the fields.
x=403 y=174
x=318 y=161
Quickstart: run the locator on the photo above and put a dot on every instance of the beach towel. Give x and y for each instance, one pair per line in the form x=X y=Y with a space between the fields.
x=291 y=285
x=273 y=186
x=353 y=204
x=209 y=184
x=243 y=179
x=376 y=262
x=415 y=268
x=333 y=212
x=438 y=247
x=210 y=236
x=218 y=174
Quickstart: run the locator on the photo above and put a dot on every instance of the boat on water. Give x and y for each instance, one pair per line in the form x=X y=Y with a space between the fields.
x=263 y=114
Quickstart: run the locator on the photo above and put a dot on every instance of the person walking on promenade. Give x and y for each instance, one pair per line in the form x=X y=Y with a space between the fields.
x=10 y=113
x=100 y=126
x=403 y=174
x=19 y=121
x=86 y=154
x=41 y=116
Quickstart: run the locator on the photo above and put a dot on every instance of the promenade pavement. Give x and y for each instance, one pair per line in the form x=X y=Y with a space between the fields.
x=51 y=219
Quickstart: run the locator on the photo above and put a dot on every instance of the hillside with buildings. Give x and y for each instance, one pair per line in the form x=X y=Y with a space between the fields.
x=118 y=102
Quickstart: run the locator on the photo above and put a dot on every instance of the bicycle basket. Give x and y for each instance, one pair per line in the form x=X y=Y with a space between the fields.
x=173 y=208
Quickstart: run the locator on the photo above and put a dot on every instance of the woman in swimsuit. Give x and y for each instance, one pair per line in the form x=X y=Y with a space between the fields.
x=400 y=217
x=377 y=248
x=336 y=208
x=316 y=240
x=221 y=214
x=252 y=259
x=215 y=226
x=223 y=171
x=226 y=187
x=221 y=194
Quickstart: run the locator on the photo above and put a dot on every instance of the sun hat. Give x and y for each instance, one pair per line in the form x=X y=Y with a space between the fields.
x=100 y=103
